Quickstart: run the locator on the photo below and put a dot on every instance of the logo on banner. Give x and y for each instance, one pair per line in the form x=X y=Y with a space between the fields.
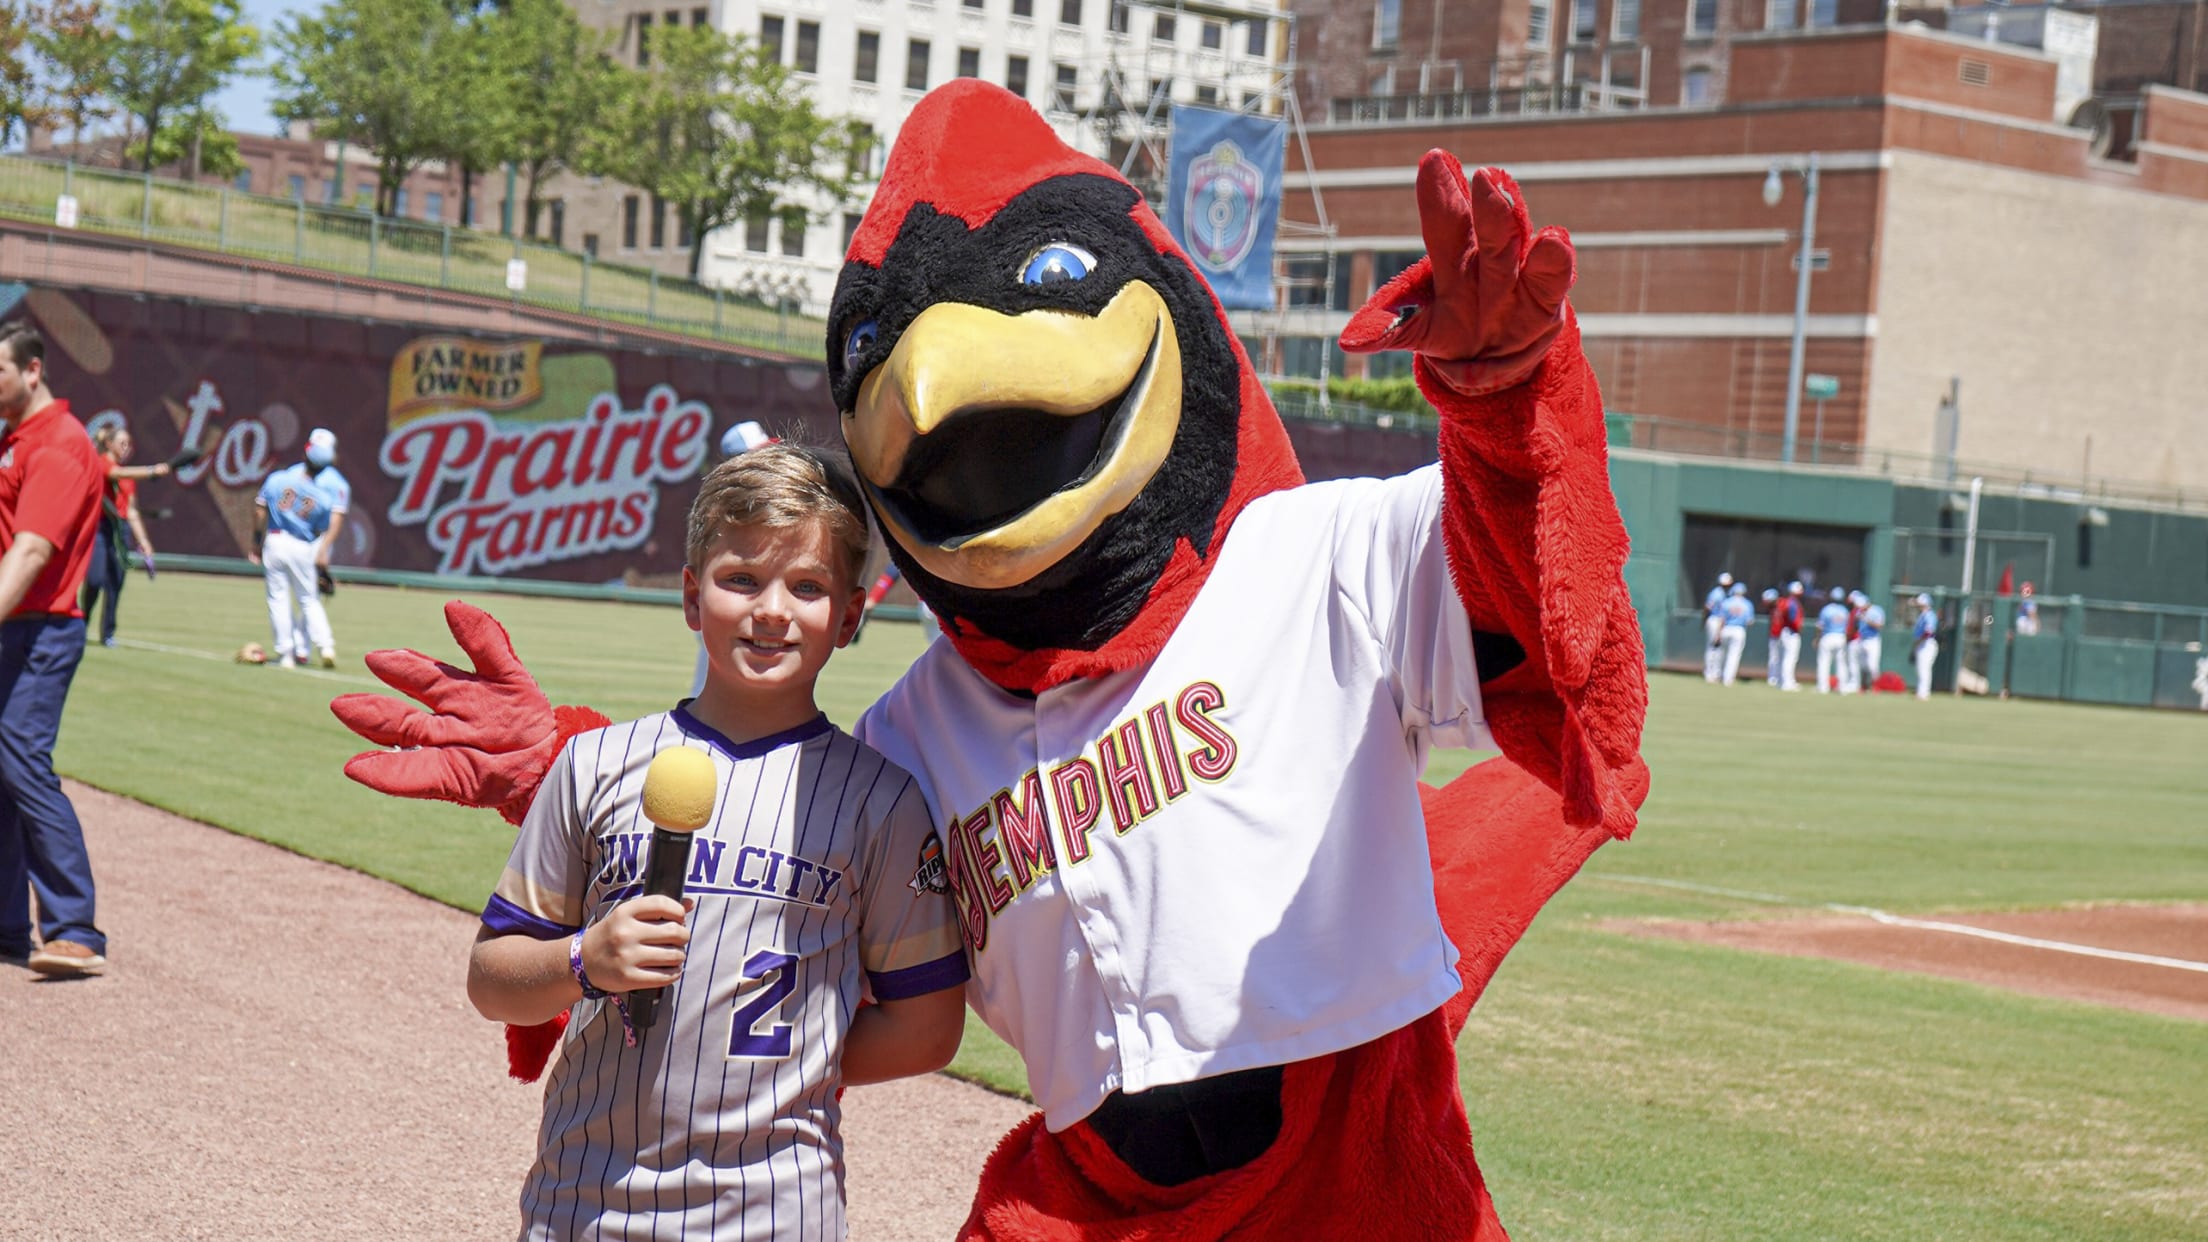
x=1224 y=191
x=507 y=459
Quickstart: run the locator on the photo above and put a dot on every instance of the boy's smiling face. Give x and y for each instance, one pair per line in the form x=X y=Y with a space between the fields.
x=771 y=603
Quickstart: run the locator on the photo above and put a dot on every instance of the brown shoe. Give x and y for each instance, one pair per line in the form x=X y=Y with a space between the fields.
x=66 y=959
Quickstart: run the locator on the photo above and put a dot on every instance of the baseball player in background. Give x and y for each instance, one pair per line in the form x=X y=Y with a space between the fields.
x=1712 y=626
x=818 y=880
x=1771 y=648
x=1735 y=614
x=322 y=459
x=291 y=523
x=1870 y=629
x=2027 y=612
x=1832 y=641
x=1788 y=621
x=1924 y=644
x=1851 y=677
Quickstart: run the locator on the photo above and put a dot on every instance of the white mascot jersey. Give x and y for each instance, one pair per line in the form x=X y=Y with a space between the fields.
x=1215 y=861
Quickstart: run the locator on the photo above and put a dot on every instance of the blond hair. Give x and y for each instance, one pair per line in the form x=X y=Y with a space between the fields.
x=781 y=484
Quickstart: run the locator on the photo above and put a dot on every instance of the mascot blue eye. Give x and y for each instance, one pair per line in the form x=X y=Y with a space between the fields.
x=1056 y=263
x=862 y=338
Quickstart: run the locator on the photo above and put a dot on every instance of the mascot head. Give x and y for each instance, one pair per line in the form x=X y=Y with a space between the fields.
x=1050 y=416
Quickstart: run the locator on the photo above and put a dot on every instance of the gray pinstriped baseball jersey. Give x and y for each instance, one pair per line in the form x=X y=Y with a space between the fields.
x=818 y=875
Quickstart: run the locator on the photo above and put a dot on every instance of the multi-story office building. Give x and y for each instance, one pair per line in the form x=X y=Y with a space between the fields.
x=1100 y=70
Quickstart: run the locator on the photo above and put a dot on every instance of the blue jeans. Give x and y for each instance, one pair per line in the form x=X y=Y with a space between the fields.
x=41 y=843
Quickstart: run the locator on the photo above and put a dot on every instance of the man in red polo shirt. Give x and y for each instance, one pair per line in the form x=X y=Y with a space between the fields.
x=50 y=481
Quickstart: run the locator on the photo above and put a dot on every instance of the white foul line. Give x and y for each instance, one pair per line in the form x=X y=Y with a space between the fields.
x=1896 y=920
x=165 y=649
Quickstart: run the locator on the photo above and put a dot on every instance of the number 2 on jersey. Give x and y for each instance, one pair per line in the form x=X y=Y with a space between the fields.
x=745 y=1039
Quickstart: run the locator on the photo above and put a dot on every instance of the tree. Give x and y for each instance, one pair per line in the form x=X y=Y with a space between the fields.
x=20 y=101
x=168 y=57
x=558 y=85
x=386 y=75
x=77 y=46
x=198 y=140
x=720 y=131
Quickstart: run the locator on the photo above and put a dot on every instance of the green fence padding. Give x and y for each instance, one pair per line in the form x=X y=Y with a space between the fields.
x=2112 y=670
x=2036 y=666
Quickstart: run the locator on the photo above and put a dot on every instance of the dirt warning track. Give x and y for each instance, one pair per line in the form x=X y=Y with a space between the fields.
x=2150 y=958
x=283 y=1049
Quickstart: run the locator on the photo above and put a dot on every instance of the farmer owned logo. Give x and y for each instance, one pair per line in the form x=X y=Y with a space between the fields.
x=508 y=459
x=1224 y=190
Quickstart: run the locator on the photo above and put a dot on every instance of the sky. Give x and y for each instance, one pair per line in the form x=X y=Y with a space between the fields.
x=244 y=103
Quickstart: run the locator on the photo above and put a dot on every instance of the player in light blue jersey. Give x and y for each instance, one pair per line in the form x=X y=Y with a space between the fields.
x=291 y=524
x=1713 y=625
x=1870 y=630
x=1734 y=614
x=1832 y=640
x=818 y=883
x=1924 y=644
x=322 y=455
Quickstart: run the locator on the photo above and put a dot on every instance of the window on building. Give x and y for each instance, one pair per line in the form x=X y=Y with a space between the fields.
x=1701 y=17
x=659 y=223
x=590 y=244
x=1023 y=8
x=433 y=206
x=1824 y=13
x=244 y=179
x=1389 y=264
x=866 y=64
x=851 y=221
x=332 y=188
x=1260 y=34
x=643 y=40
x=808 y=47
x=364 y=195
x=298 y=187
x=972 y=4
x=398 y=203
x=793 y=237
x=683 y=236
x=1537 y=23
x=559 y=221
x=770 y=38
x=630 y=208
x=1165 y=29
x=916 y=65
x=1583 y=21
x=969 y=62
x=1781 y=14
x=1069 y=12
x=1694 y=88
x=698 y=17
x=868 y=148
x=1161 y=95
x=1119 y=16
x=1387 y=23
x=1625 y=20
x=1207 y=95
x=1061 y=97
x=1015 y=75
x=1214 y=36
x=755 y=234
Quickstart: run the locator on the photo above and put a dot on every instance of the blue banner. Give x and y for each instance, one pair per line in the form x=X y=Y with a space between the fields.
x=1222 y=199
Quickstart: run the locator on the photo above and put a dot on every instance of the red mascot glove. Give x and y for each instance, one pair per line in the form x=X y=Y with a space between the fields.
x=489 y=735
x=1487 y=301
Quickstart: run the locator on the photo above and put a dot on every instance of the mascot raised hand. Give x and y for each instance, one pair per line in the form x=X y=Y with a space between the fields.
x=1174 y=734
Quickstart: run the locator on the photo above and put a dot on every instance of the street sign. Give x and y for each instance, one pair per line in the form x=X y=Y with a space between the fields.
x=65 y=211
x=1821 y=387
x=517 y=274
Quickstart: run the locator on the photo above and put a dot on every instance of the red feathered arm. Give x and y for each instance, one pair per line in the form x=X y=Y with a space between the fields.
x=1536 y=547
x=487 y=740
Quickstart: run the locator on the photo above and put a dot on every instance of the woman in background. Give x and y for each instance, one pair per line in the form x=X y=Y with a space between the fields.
x=118 y=507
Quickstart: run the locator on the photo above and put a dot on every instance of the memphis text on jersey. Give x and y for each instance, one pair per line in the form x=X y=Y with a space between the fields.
x=1051 y=816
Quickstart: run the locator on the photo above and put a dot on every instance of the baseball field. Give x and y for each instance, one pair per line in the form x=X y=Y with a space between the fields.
x=1970 y=1003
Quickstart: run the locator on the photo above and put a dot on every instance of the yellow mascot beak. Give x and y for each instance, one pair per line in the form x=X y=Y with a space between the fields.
x=992 y=445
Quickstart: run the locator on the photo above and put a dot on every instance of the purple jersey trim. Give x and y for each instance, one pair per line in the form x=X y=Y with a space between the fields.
x=755 y=747
x=508 y=919
x=935 y=976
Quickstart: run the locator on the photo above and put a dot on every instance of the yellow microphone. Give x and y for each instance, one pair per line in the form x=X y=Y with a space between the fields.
x=679 y=791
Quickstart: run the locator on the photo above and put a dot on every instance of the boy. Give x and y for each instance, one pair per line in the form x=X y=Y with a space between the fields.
x=818 y=877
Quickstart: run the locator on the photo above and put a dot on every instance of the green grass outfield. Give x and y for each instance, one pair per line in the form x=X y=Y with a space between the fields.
x=1620 y=1088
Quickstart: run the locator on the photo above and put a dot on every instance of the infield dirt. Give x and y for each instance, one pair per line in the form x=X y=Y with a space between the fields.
x=283 y=1049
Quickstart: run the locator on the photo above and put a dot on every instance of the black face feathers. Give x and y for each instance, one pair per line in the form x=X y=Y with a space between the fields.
x=1092 y=594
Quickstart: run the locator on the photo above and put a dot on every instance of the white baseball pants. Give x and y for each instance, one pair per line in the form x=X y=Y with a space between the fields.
x=1790 y=658
x=1832 y=653
x=1712 y=657
x=1927 y=652
x=295 y=614
x=1732 y=638
x=1874 y=649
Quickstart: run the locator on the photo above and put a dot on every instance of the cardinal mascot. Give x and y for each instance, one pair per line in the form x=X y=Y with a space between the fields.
x=1174 y=734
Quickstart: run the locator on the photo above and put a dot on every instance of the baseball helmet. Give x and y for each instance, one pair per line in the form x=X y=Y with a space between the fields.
x=1793 y=588
x=1924 y=601
x=1740 y=588
x=1770 y=595
x=1724 y=580
x=1838 y=595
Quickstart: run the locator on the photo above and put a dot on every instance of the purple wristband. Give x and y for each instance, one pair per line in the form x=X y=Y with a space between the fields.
x=575 y=966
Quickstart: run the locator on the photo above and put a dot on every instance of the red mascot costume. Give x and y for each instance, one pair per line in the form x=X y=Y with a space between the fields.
x=1173 y=740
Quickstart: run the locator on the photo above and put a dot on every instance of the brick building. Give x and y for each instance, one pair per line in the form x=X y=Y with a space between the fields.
x=1963 y=235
